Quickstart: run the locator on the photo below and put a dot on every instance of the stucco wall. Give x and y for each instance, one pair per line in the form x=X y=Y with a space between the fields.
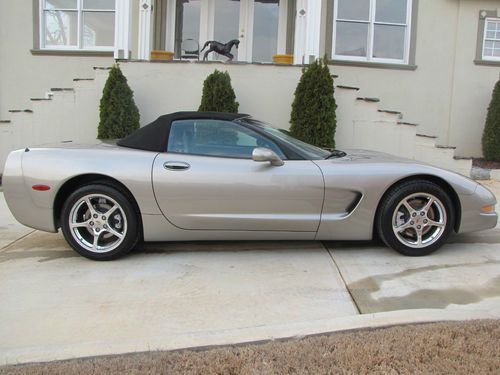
x=447 y=94
x=23 y=75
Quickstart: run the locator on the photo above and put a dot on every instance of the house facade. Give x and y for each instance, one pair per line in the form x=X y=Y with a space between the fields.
x=434 y=61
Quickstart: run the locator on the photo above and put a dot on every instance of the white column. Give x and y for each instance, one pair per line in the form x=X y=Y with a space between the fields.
x=145 y=24
x=170 y=29
x=282 y=22
x=307 y=30
x=245 y=31
x=123 y=19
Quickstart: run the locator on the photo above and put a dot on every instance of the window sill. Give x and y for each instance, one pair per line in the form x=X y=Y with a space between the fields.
x=66 y=52
x=376 y=65
x=487 y=62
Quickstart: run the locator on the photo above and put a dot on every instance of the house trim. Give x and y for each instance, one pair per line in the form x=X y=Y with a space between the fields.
x=66 y=52
x=371 y=64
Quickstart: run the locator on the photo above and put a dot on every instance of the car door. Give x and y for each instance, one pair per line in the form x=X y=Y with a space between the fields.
x=207 y=180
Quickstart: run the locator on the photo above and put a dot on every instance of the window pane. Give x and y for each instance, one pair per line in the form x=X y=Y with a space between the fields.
x=491 y=49
x=226 y=27
x=265 y=30
x=351 y=39
x=99 y=4
x=491 y=26
x=354 y=10
x=389 y=42
x=215 y=138
x=187 y=26
x=61 y=28
x=98 y=29
x=392 y=11
x=60 y=4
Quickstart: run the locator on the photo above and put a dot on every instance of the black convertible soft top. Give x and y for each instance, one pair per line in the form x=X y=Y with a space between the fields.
x=154 y=136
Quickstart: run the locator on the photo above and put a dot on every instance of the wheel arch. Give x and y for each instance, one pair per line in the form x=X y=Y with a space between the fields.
x=85 y=179
x=431 y=178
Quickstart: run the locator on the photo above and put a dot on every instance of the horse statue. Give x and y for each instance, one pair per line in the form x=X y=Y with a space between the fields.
x=221 y=49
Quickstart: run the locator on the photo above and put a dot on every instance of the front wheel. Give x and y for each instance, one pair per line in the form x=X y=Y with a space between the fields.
x=99 y=222
x=415 y=218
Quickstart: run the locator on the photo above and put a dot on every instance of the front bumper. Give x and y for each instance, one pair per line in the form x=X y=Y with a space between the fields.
x=472 y=218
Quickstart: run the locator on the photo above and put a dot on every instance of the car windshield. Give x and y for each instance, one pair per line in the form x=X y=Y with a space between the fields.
x=312 y=152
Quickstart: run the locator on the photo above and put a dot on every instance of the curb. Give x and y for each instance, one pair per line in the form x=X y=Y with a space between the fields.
x=247 y=335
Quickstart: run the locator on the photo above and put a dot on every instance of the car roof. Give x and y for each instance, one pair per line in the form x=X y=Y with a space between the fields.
x=154 y=136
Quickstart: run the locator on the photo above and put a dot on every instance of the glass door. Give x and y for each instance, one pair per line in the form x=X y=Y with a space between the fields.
x=227 y=24
x=265 y=30
x=254 y=23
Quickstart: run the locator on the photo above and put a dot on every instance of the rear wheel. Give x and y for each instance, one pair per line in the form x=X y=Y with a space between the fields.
x=415 y=218
x=99 y=222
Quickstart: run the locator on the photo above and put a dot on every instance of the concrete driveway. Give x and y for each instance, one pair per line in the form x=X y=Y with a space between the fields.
x=56 y=304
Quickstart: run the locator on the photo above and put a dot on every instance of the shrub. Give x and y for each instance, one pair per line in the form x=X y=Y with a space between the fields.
x=491 y=133
x=313 y=109
x=118 y=113
x=218 y=94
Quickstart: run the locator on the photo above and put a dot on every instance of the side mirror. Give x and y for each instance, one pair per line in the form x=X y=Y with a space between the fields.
x=265 y=154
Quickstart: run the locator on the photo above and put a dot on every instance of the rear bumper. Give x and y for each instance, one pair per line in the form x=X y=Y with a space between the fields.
x=19 y=198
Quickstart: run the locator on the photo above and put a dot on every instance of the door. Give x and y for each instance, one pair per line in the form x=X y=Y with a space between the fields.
x=208 y=181
x=255 y=23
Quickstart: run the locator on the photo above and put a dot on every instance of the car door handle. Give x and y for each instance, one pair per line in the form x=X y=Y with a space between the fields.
x=176 y=165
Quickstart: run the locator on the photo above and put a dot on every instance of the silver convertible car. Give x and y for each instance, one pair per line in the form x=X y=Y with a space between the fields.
x=213 y=176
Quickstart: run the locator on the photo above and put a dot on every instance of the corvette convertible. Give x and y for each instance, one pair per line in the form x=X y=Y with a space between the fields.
x=212 y=176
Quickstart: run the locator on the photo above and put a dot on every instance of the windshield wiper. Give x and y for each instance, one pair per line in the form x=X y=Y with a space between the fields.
x=336 y=154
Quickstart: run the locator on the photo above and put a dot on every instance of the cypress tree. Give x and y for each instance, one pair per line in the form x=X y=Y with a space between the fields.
x=218 y=94
x=491 y=133
x=118 y=113
x=313 y=117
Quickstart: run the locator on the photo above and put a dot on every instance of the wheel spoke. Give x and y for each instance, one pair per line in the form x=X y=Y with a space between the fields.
x=80 y=224
x=110 y=211
x=90 y=206
x=428 y=205
x=96 y=240
x=408 y=207
x=432 y=223
x=403 y=227
x=419 y=237
x=113 y=232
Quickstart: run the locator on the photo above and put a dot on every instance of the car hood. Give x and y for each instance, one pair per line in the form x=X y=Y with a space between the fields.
x=370 y=156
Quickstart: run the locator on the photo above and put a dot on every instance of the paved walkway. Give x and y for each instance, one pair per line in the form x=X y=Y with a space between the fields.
x=56 y=304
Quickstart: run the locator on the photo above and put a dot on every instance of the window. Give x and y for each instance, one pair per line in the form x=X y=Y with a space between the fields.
x=216 y=138
x=77 y=24
x=372 y=30
x=491 y=40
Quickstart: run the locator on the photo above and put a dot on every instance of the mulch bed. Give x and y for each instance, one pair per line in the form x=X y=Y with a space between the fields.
x=482 y=163
x=438 y=348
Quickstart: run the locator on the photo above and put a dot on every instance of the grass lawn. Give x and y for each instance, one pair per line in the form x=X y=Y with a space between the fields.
x=438 y=348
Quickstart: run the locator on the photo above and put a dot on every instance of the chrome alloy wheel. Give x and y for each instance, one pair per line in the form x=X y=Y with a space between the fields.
x=98 y=223
x=419 y=220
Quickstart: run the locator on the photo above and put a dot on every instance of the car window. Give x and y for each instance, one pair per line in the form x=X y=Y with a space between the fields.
x=216 y=138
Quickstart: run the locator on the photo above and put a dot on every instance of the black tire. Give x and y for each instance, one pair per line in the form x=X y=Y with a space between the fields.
x=125 y=215
x=394 y=216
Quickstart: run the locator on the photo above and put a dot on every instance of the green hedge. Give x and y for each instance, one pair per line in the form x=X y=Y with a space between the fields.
x=491 y=134
x=313 y=117
x=119 y=115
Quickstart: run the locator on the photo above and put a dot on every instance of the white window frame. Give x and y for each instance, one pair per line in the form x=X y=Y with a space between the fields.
x=371 y=32
x=485 y=39
x=79 y=10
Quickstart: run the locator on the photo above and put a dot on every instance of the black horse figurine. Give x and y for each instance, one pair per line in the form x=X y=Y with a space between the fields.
x=221 y=49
